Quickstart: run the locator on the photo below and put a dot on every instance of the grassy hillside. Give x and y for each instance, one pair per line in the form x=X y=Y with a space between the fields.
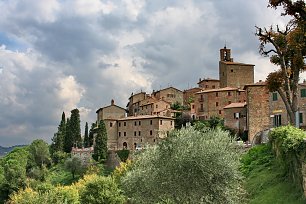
x=265 y=182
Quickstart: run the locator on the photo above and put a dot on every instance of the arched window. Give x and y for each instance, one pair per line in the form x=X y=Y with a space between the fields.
x=135 y=145
x=124 y=145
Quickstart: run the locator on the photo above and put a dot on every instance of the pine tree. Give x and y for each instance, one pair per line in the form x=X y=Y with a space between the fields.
x=100 y=148
x=59 y=137
x=86 y=137
x=75 y=127
x=91 y=134
x=68 y=142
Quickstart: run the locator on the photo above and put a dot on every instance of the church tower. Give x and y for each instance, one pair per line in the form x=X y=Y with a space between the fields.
x=234 y=74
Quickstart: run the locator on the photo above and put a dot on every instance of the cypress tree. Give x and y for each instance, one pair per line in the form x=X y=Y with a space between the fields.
x=100 y=147
x=59 y=137
x=91 y=134
x=86 y=137
x=68 y=142
x=75 y=127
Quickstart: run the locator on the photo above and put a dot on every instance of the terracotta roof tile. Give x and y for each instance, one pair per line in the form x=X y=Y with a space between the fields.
x=235 y=105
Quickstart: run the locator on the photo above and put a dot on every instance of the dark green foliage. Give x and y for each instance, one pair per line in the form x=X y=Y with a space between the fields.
x=75 y=166
x=75 y=128
x=188 y=167
x=59 y=157
x=68 y=141
x=123 y=154
x=59 y=137
x=289 y=148
x=86 y=136
x=91 y=134
x=102 y=190
x=100 y=147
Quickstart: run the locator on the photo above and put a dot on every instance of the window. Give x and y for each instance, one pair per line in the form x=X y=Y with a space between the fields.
x=232 y=70
x=213 y=86
x=236 y=115
x=220 y=112
x=151 y=132
x=151 y=122
x=119 y=134
x=124 y=145
x=216 y=94
x=277 y=120
x=154 y=140
x=192 y=106
x=303 y=93
x=301 y=117
x=139 y=123
x=111 y=124
x=229 y=93
x=229 y=102
x=156 y=106
x=124 y=124
x=274 y=97
x=202 y=108
x=139 y=133
x=217 y=104
x=135 y=133
x=170 y=122
x=239 y=93
x=119 y=124
x=161 y=122
x=206 y=86
x=124 y=133
x=135 y=123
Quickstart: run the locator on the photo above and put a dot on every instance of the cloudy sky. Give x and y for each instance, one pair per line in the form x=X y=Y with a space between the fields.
x=56 y=55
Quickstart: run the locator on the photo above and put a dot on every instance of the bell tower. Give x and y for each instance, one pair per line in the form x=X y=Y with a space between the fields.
x=225 y=55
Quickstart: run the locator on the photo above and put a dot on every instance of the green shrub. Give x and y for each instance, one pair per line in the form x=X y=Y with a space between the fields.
x=102 y=190
x=289 y=148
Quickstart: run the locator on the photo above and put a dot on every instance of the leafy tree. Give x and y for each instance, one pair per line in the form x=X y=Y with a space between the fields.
x=102 y=190
x=75 y=127
x=39 y=154
x=188 y=167
x=100 y=147
x=288 y=52
x=75 y=166
x=86 y=136
x=59 y=137
x=68 y=141
x=91 y=134
x=14 y=165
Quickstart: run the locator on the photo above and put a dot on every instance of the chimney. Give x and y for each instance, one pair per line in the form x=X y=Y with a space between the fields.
x=112 y=102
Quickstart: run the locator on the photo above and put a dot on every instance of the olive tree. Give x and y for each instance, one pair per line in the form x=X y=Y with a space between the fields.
x=191 y=166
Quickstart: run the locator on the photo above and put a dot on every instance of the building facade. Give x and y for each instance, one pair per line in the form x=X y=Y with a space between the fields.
x=171 y=95
x=234 y=74
x=235 y=117
x=210 y=103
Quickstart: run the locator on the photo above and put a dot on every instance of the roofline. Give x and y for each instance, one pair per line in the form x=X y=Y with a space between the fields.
x=220 y=90
x=208 y=80
x=236 y=63
x=110 y=106
x=167 y=88
x=148 y=117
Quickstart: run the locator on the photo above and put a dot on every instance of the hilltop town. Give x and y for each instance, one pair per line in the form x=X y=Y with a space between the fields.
x=247 y=107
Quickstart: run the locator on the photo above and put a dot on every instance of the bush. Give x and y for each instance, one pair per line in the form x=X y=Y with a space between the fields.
x=188 y=167
x=289 y=147
x=102 y=190
x=123 y=154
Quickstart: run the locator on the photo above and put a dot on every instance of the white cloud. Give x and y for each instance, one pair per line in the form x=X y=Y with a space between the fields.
x=70 y=92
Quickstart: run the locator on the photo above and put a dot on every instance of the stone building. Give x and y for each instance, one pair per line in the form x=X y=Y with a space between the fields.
x=208 y=83
x=171 y=95
x=134 y=131
x=234 y=74
x=258 y=108
x=153 y=106
x=235 y=117
x=85 y=154
x=210 y=103
x=134 y=103
x=137 y=132
x=110 y=114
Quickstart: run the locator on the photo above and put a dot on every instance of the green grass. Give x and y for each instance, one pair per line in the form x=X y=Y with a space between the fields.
x=265 y=181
